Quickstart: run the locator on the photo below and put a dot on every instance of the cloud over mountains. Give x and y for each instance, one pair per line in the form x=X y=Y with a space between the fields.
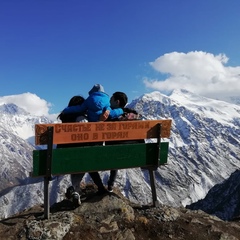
x=200 y=72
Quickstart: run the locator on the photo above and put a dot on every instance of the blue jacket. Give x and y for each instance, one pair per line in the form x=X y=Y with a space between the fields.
x=95 y=105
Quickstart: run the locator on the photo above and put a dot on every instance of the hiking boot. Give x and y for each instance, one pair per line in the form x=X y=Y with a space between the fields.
x=110 y=188
x=76 y=199
x=102 y=191
x=69 y=192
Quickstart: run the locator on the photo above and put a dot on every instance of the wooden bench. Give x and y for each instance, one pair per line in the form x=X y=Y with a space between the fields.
x=60 y=161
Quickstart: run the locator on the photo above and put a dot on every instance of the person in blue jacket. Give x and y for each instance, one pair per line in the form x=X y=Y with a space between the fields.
x=96 y=103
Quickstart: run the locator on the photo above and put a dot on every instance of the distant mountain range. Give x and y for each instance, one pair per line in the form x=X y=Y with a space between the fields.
x=204 y=153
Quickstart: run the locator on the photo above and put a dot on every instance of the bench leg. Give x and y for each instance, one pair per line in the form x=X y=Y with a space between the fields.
x=153 y=187
x=46 y=197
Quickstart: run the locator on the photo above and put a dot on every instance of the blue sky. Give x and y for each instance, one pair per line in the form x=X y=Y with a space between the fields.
x=59 y=48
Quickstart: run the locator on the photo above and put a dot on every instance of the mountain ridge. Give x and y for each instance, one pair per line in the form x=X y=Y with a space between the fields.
x=199 y=146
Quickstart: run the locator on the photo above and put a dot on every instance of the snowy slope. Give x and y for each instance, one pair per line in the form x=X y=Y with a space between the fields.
x=16 y=145
x=204 y=143
x=223 y=199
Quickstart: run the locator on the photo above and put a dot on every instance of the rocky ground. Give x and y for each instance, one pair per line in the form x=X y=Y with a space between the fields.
x=113 y=217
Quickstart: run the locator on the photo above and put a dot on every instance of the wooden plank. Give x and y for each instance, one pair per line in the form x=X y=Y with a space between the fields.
x=102 y=131
x=97 y=158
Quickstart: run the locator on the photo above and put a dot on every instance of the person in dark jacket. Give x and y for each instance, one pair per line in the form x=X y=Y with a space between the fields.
x=129 y=114
x=118 y=100
x=72 y=192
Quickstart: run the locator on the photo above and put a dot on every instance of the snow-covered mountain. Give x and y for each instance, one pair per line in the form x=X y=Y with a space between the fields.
x=19 y=122
x=16 y=145
x=223 y=200
x=204 y=151
x=204 y=144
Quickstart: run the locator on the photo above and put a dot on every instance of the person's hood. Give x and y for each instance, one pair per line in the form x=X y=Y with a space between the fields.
x=96 y=88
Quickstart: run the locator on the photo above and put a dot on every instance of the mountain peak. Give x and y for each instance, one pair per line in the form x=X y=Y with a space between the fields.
x=12 y=109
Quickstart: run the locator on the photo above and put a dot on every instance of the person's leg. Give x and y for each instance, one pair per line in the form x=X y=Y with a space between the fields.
x=112 y=179
x=76 y=180
x=74 y=190
x=98 y=181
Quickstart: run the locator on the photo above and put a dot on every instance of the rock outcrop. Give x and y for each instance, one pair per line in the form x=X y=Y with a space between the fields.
x=113 y=217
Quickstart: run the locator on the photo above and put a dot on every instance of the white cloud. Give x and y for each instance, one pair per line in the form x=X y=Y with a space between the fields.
x=30 y=103
x=199 y=72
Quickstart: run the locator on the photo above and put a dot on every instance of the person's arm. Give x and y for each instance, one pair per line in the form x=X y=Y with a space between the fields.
x=115 y=113
x=104 y=116
x=75 y=109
